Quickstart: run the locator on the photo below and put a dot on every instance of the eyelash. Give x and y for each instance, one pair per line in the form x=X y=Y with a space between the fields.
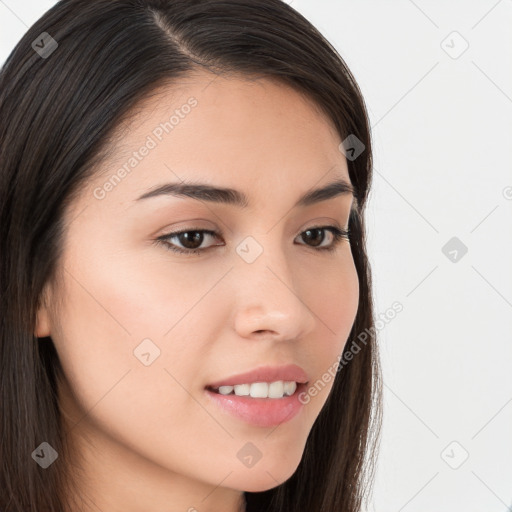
x=338 y=234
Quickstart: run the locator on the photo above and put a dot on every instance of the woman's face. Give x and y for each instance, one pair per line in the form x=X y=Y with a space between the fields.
x=141 y=330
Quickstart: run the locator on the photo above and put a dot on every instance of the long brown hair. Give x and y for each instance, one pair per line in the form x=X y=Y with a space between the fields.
x=62 y=94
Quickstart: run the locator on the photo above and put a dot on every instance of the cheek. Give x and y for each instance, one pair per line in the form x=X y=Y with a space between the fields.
x=121 y=298
x=120 y=329
x=104 y=319
x=334 y=302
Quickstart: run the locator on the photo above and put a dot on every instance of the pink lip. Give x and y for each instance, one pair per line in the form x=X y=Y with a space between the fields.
x=290 y=372
x=261 y=412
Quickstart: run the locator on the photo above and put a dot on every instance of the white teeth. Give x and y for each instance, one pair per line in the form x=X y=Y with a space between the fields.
x=225 y=390
x=276 y=389
x=243 y=389
x=290 y=387
x=259 y=390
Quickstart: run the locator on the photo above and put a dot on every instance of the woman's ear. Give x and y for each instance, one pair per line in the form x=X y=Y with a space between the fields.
x=42 y=328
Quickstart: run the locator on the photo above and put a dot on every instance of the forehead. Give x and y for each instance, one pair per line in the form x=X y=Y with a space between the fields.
x=223 y=130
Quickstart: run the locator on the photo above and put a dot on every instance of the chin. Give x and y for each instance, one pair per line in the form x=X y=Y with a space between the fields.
x=263 y=478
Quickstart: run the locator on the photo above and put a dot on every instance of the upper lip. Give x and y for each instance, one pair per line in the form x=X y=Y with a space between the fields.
x=289 y=372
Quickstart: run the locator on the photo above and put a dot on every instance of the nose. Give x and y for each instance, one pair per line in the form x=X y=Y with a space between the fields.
x=268 y=300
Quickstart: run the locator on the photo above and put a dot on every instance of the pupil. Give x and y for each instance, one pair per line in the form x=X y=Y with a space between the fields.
x=318 y=239
x=189 y=241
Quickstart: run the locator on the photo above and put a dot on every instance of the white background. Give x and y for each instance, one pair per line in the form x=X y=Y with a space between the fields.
x=442 y=132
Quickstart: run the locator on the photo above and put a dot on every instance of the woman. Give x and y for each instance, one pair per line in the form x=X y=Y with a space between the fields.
x=183 y=267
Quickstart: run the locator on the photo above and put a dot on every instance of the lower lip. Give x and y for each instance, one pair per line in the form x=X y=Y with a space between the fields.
x=262 y=412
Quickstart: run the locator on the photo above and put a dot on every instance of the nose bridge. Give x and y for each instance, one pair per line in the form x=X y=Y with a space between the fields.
x=267 y=298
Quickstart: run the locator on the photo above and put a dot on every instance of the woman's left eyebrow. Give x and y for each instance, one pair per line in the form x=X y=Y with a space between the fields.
x=230 y=196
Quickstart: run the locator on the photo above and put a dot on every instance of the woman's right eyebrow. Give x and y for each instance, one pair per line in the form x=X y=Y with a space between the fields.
x=230 y=196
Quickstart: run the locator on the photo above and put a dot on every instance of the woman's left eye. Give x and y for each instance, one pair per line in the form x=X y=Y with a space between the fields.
x=192 y=239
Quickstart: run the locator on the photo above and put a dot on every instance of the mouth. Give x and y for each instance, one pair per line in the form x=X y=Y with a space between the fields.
x=265 y=396
x=259 y=404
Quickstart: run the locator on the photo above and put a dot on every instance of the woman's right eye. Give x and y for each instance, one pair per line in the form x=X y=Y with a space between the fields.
x=190 y=244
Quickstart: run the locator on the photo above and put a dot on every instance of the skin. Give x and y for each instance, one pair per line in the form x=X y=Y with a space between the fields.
x=147 y=436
